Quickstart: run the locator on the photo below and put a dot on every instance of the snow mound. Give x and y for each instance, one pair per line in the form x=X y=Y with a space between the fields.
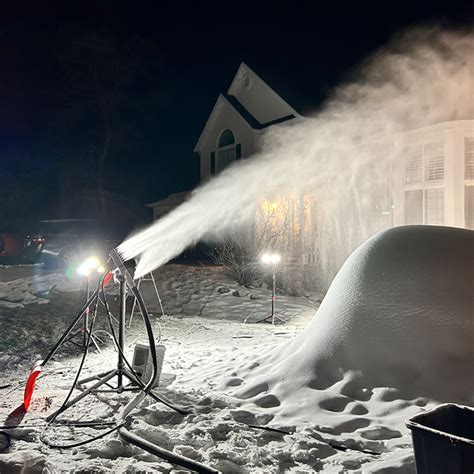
x=35 y=290
x=395 y=324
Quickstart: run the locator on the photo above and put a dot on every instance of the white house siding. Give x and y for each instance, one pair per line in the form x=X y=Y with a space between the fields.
x=257 y=97
x=225 y=117
x=449 y=189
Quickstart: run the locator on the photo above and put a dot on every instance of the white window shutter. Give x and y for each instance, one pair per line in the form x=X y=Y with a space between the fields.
x=414 y=164
x=434 y=161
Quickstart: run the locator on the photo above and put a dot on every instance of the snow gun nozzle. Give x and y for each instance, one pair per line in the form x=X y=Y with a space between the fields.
x=121 y=269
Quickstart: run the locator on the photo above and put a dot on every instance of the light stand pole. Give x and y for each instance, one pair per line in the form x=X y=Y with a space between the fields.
x=122 y=309
x=272 y=259
x=85 y=271
x=86 y=316
x=273 y=293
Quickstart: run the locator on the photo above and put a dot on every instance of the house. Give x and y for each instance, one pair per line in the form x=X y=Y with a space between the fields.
x=433 y=183
x=166 y=205
x=238 y=120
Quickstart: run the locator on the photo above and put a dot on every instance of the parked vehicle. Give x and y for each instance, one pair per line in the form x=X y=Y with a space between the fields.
x=16 y=247
x=69 y=241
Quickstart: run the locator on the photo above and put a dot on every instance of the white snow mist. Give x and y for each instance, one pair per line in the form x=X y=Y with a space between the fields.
x=340 y=154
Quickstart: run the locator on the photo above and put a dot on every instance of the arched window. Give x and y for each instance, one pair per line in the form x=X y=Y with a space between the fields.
x=226 y=138
x=227 y=152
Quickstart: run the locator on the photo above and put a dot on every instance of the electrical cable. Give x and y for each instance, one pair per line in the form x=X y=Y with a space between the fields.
x=146 y=389
x=133 y=438
x=73 y=386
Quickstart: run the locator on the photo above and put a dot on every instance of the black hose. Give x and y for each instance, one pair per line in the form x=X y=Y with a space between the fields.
x=164 y=453
x=160 y=398
x=146 y=388
x=137 y=440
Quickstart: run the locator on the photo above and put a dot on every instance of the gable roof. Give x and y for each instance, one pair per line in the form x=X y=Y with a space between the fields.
x=232 y=100
x=256 y=83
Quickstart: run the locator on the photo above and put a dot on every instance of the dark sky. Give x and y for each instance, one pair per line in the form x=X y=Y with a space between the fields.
x=174 y=68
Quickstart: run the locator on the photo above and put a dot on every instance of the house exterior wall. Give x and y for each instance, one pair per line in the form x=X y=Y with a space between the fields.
x=226 y=118
x=453 y=185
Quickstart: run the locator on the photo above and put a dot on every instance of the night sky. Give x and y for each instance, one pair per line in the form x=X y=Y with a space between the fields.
x=102 y=103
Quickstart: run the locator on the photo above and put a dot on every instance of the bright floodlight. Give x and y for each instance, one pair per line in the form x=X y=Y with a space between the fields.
x=270 y=258
x=275 y=258
x=89 y=265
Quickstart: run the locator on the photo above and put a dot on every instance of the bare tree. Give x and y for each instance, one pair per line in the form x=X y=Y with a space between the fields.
x=240 y=250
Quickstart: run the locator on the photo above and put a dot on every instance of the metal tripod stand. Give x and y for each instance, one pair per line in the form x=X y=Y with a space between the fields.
x=121 y=372
x=84 y=331
x=140 y=280
x=272 y=317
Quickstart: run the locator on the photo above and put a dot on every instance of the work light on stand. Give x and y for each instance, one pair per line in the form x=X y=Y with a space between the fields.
x=86 y=269
x=272 y=259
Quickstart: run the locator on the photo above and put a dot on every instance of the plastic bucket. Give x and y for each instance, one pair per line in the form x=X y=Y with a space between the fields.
x=443 y=440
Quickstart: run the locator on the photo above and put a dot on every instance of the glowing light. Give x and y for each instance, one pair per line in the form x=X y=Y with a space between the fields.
x=273 y=258
x=89 y=265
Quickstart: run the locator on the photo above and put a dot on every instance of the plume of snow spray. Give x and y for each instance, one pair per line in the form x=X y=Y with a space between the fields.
x=340 y=153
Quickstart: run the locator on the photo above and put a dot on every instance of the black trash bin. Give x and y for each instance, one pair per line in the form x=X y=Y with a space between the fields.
x=443 y=440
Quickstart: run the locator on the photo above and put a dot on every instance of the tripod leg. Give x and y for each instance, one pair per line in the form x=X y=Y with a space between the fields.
x=266 y=319
x=134 y=305
x=93 y=377
x=70 y=328
x=157 y=293
x=93 y=339
x=84 y=394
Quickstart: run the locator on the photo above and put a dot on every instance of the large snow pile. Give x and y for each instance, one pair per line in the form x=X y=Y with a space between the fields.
x=398 y=314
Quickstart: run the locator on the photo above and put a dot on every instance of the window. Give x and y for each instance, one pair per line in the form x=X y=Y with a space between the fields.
x=424 y=169
x=226 y=138
x=226 y=153
x=469 y=207
x=424 y=206
x=424 y=163
x=469 y=158
x=414 y=164
x=414 y=207
x=225 y=157
x=434 y=161
x=434 y=206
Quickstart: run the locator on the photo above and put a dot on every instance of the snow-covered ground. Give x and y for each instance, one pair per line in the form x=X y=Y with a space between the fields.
x=257 y=405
